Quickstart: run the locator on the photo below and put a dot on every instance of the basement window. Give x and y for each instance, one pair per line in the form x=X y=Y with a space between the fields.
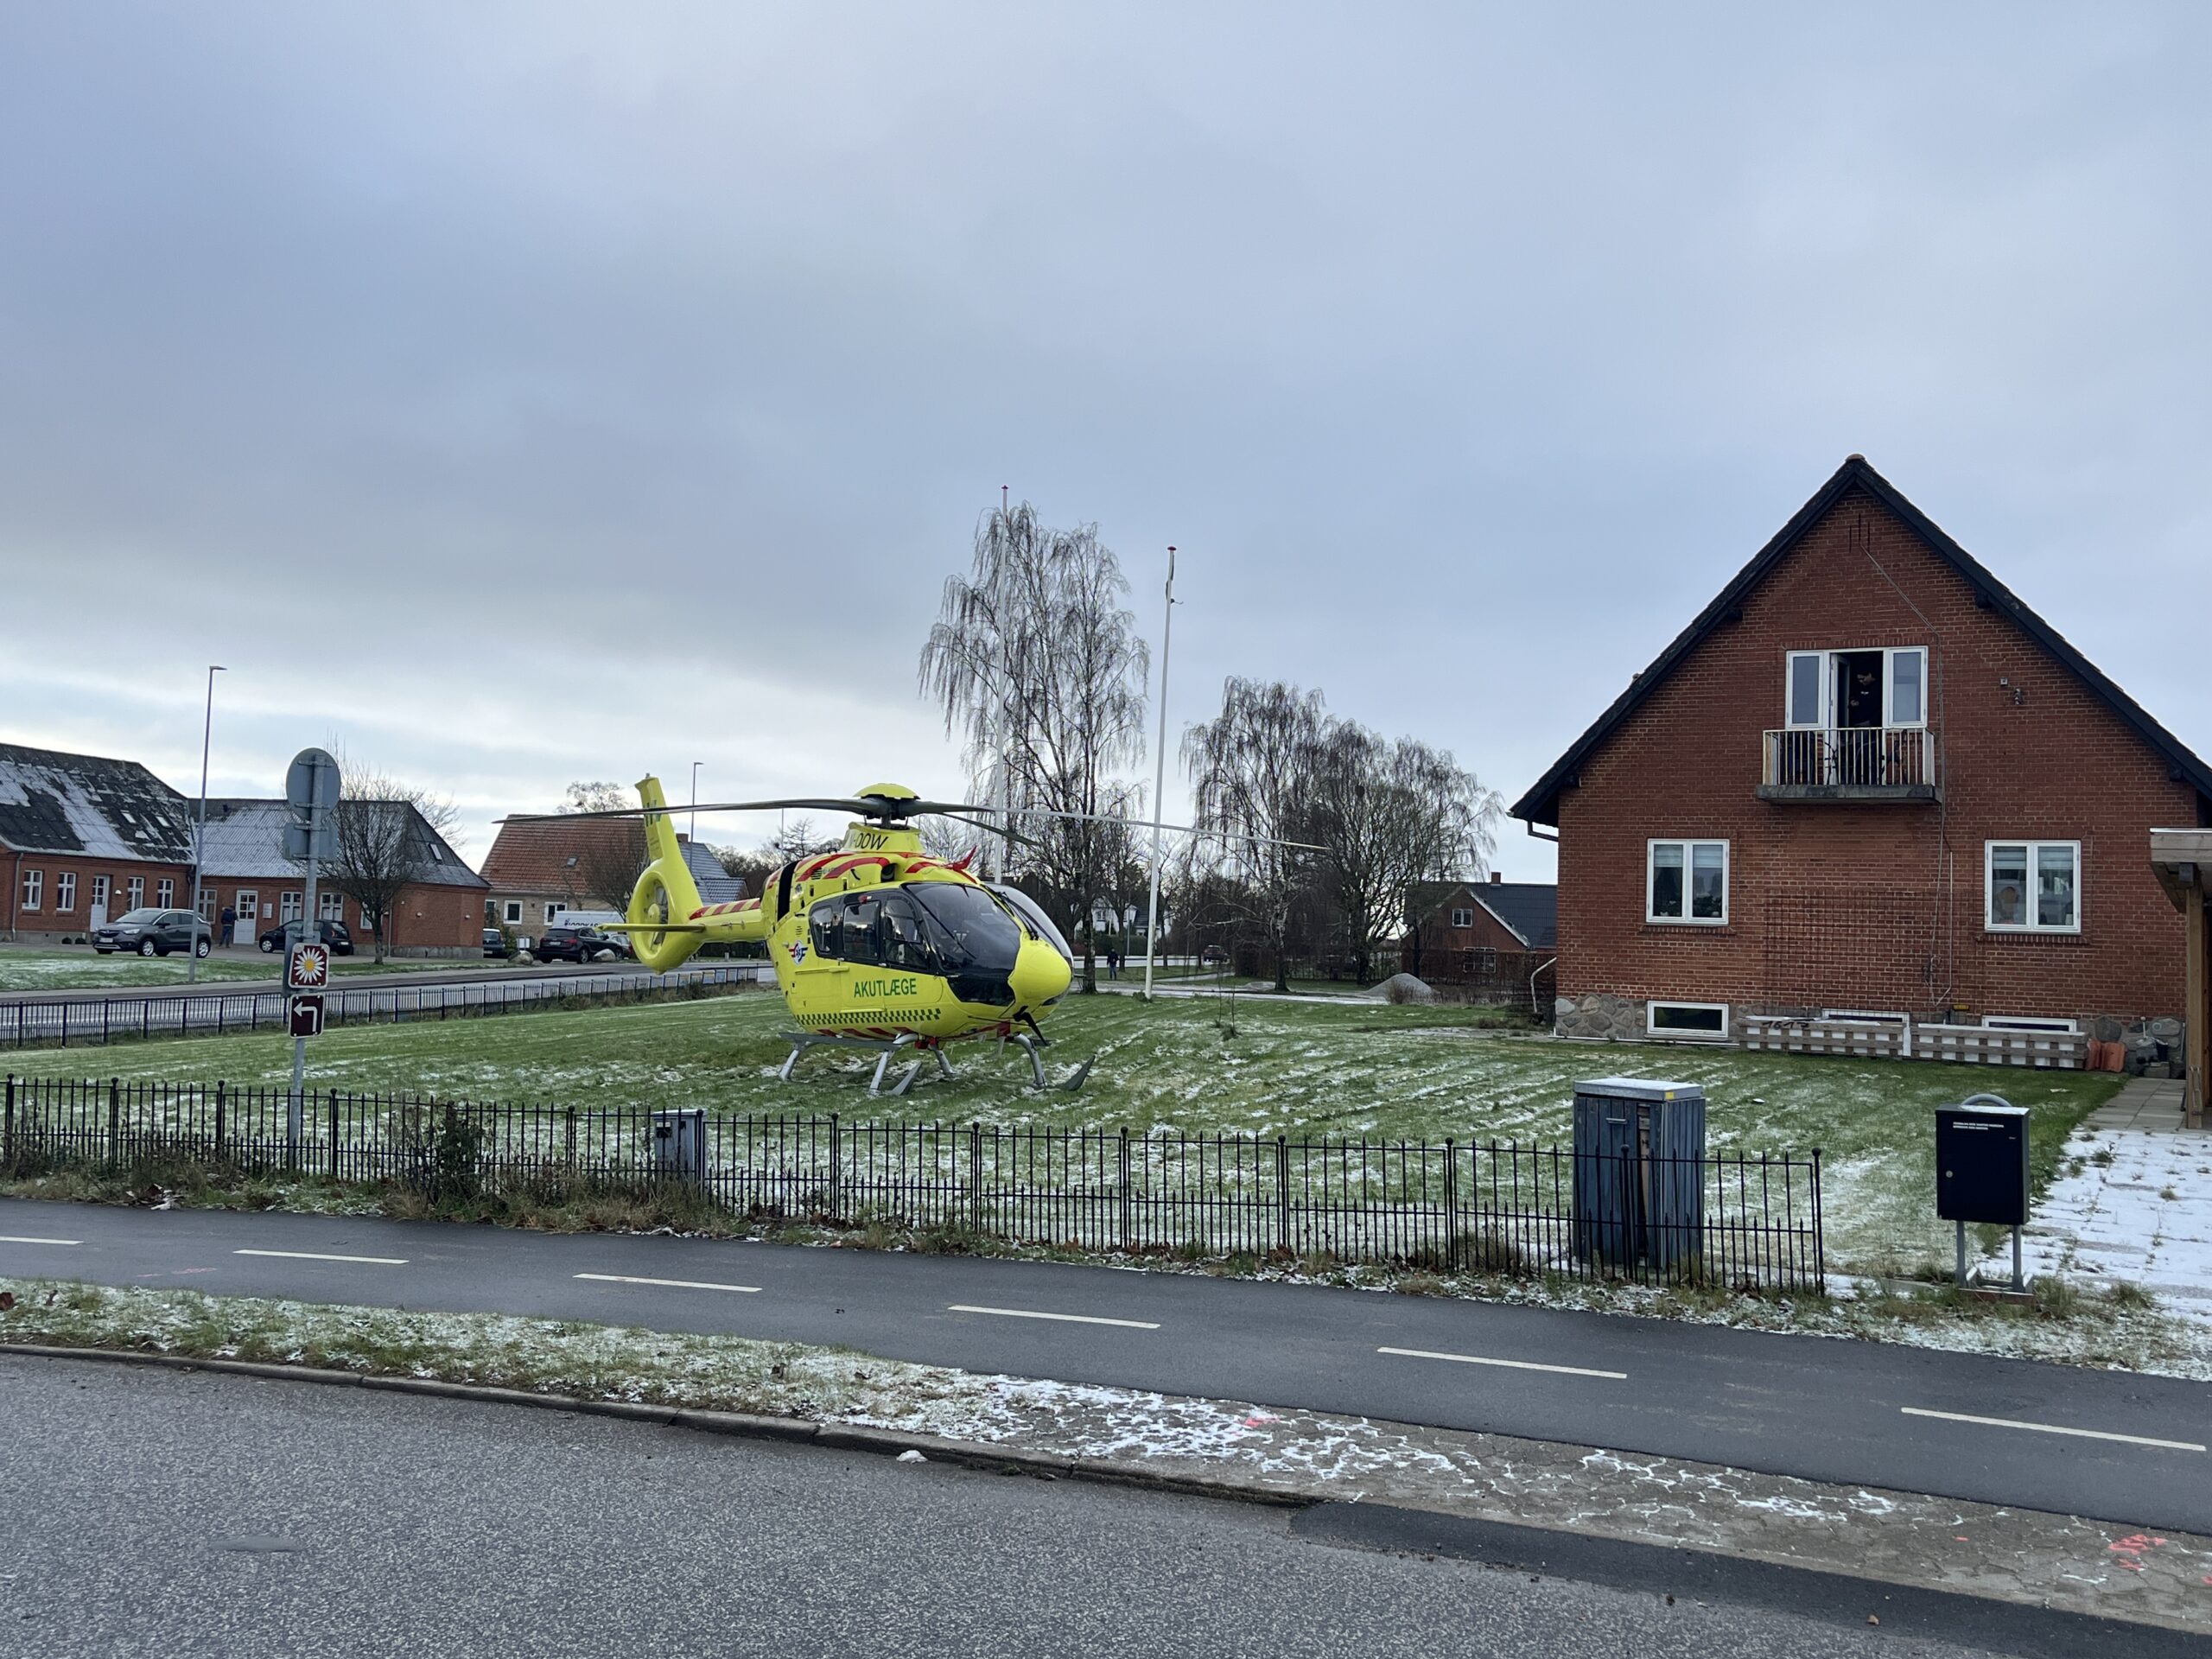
x=2023 y=1022
x=1686 y=882
x=2032 y=887
x=1692 y=1021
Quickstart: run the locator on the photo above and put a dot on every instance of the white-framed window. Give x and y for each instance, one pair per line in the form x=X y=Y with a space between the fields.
x=289 y=905
x=1463 y=919
x=330 y=907
x=553 y=907
x=1705 y=1022
x=2031 y=887
x=34 y=889
x=513 y=911
x=1817 y=687
x=99 y=890
x=2027 y=1022
x=165 y=892
x=1685 y=882
x=137 y=892
x=65 y=891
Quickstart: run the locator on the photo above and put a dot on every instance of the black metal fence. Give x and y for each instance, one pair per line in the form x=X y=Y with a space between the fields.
x=1453 y=1206
x=61 y=1021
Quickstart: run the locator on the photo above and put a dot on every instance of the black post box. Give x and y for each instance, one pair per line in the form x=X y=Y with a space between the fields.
x=1981 y=1161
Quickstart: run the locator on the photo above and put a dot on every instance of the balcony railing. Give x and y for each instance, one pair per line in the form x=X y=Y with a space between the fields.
x=1849 y=763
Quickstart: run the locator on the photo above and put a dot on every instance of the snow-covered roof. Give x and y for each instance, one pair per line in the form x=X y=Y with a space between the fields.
x=717 y=885
x=51 y=802
x=245 y=838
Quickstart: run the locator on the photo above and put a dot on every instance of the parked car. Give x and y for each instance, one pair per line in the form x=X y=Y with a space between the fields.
x=562 y=943
x=1213 y=956
x=154 y=933
x=495 y=943
x=285 y=935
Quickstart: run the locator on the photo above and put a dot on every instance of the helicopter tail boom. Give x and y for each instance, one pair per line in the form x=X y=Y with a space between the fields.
x=663 y=917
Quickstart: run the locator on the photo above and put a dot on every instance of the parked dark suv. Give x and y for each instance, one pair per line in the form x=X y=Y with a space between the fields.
x=154 y=933
x=495 y=943
x=579 y=945
x=285 y=935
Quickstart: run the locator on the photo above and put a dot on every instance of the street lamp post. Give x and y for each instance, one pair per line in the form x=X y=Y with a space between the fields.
x=1159 y=780
x=695 y=765
x=199 y=830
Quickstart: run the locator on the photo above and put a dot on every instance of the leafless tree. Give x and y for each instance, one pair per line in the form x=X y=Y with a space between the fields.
x=1252 y=771
x=1388 y=815
x=1036 y=662
x=384 y=835
x=609 y=853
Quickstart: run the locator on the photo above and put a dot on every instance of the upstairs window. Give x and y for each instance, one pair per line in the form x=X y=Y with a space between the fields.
x=2033 y=887
x=1463 y=919
x=1852 y=691
x=1686 y=882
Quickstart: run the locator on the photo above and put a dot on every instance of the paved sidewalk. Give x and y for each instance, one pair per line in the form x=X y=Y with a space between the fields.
x=2132 y=1202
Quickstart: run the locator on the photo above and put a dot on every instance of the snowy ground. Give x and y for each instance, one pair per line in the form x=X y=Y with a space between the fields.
x=2129 y=1207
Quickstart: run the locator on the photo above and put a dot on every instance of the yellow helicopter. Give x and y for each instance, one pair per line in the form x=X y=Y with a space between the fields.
x=876 y=946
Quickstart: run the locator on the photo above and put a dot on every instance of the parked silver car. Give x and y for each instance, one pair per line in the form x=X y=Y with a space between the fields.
x=154 y=933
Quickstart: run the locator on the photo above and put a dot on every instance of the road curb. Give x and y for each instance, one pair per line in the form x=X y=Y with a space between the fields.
x=838 y=1437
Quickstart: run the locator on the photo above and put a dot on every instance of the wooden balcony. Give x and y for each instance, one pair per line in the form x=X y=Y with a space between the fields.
x=1855 y=764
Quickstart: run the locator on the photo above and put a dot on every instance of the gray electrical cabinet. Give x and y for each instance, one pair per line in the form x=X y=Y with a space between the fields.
x=1981 y=1162
x=680 y=1145
x=1639 y=1172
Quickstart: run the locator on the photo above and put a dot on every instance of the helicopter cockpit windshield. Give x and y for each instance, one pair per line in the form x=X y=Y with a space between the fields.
x=1039 y=923
x=945 y=928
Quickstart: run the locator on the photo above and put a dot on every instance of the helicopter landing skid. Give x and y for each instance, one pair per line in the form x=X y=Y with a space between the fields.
x=802 y=1040
x=1033 y=1043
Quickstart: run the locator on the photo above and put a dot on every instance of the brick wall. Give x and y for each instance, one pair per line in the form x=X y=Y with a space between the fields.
x=426 y=919
x=1877 y=907
x=50 y=921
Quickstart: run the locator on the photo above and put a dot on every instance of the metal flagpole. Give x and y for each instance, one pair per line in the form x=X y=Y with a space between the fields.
x=1158 y=779
x=199 y=831
x=695 y=765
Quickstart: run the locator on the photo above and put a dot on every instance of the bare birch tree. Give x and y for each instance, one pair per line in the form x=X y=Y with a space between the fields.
x=1252 y=773
x=1036 y=662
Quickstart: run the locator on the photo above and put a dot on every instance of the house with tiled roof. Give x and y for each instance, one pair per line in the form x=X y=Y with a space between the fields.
x=438 y=911
x=1868 y=793
x=540 y=868
x=85 y=839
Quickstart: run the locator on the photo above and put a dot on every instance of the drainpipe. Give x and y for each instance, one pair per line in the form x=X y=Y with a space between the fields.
x=15 y=894
x=1549 y=962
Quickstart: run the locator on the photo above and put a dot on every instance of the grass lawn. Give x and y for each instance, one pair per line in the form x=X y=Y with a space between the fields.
x=1188 y=1065
x=82 y=968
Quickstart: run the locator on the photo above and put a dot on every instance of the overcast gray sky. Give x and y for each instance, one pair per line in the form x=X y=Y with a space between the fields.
x=513 y=395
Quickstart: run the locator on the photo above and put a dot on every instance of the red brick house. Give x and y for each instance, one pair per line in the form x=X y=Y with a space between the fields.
x=85 y=839
x=1444 y=918
x=1868 y=779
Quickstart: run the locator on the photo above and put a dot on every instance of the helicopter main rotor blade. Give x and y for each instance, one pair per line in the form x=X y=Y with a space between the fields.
x=1138 y=823
x=869 y=806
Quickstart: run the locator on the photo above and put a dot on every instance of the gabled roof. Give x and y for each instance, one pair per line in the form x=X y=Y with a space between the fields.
x=51 y=802
x=717 y=885
x=1541 y=803
x=1528 y=910
x=547 y=854
x=245 y=838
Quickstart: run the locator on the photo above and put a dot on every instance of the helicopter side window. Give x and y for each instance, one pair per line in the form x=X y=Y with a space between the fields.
x=823 y=922
x=857 y=929
x=900 y=940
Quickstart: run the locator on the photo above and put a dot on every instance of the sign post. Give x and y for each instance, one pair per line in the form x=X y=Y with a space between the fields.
x=311 y=791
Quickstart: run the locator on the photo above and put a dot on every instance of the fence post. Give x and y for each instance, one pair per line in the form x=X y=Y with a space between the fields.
x=1127 y=1237
x=974 y=1179
x=1282 y=1194
x=1820 y=1253
x=1451 y=1207
x=8 y=1131
x=836 y=1172
x=221 y=1090
x=114 y=1118
x=334 y=1134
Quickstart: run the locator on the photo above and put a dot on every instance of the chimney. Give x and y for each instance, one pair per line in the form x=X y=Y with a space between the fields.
x=1496 y=880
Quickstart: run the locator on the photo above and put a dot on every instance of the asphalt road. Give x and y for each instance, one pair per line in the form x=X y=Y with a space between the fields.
x=179 y=1514
x=463 y=973
x=2106 y=1445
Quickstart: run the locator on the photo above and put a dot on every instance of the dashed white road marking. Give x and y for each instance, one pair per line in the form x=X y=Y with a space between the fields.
x=1509 y=1365
x=672 y=1284
x=11 y=1238
x=1062 y=1319
x=318 y=1255
x=2054 y=1428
